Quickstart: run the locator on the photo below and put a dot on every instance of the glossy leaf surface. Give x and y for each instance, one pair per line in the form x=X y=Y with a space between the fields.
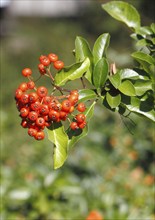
x=86 y=94
x=113 y=101
x=100 y=73
x=123 y=12
x=127 y=88
x=144 y=108
x=100 y=47
x=71 y=73
x=57 y=135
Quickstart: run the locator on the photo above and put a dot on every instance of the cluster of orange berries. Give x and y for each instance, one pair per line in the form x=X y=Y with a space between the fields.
x=45 y=61
x=39 y=110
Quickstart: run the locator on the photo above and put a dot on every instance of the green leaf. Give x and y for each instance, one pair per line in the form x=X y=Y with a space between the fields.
x=115 y=80
x=143 y=57
x=147 y=62
x=127 y=88
x=153 y=27
x=82 y=51
x=76 y=135
x=86 y=94
x=123 y=12
x=131 y=74
x=113 y=101
x=142 y=86
x=57 y=135
x=100 y=47
x=143 y=43
x=100 y=73
x=144 y=108
x=144 y=31
x=72 y=72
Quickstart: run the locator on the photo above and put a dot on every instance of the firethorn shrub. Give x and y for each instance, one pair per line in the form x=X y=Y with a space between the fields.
x=65 y=116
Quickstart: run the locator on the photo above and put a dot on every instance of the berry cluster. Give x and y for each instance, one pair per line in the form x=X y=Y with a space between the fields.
x=39 y=110
x=45 y=62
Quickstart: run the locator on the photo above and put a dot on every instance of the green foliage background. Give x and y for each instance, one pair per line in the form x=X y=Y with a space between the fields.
x=110 y=170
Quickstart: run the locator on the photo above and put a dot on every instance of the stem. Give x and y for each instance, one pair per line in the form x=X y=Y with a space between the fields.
x=83 y=84
x=49 y=73
x=69 y=120
x=38 y=78
x=61 y=97
x=59 y=88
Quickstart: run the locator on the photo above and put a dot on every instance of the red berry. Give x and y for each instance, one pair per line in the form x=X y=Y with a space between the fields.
x=23 y=86
x=74 y=126
x=53 y=57
x=30 y=85
x=42 y=57
x=54 y=115
x=18 y=93
x=33 y=115
x=45 y=61
x=81 y=107
x=71 y=109
x=80 y=118
x=40 y=121
x=41 y=68
x=82 y=125
x=35 y=106
x=73 y=99
x=74 y=92
x=32 y=132
x=24 y=112
x=46 y=118
x=24 y=123
x=24 y=98
x=47 y=100
x=52 y=105
x=63 y=115
x=20 y=105
x=26 y=72
x=47 y=123
x=33 y=97
x=44 y=110
x=66 y=105
x=42 y=91
x=39 y=135
x=57 y=107
x=58 y=64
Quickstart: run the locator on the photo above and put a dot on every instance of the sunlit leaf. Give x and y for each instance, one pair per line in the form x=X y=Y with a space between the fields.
x=143 y=57
x=144 y=108
x=142 y=86
x=100 y=73
x=127 y=88
x=144 y=31
x=57 y=135
x=113 y=101
x=131 y=74
x=86 y=94
x=100 y=47
x=124 y=12
x=115 y=80
x=72 y=72
x=82 y=51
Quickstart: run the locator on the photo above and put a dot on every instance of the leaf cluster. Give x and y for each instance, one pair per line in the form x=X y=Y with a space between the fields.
x=127 y=90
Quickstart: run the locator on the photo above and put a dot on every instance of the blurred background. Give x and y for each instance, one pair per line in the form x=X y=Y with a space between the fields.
x=110 y=170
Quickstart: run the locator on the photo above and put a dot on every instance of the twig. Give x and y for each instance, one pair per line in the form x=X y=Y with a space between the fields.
x=83 y=84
